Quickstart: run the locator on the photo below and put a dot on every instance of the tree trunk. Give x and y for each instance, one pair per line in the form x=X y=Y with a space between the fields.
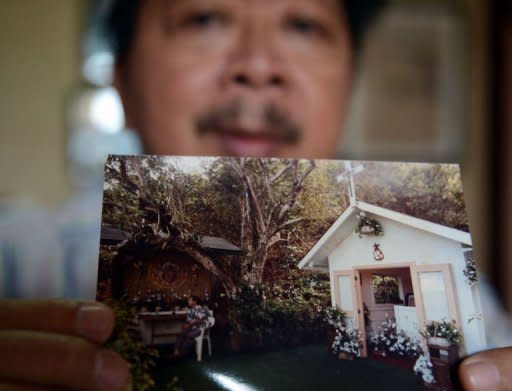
x=255 y=264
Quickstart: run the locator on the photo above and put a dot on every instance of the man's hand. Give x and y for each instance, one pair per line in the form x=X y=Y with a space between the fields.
x=489 y=370
x=47 y=345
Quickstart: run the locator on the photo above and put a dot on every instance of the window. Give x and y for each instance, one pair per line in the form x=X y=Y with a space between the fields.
x=385 y=289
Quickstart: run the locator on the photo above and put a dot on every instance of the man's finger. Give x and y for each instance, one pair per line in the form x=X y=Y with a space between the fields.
x=93 y=321
x=60 y=361
x=5 y=386
x=489 y=370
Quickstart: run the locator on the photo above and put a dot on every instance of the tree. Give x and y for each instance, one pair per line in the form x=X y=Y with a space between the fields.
x=249 y=201
x=151 y=190
x=271 y=190
x=431 y=192
x=274 y=209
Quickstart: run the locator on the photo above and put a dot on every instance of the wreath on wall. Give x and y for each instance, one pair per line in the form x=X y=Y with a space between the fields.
x=368 y=226
x=470 y=271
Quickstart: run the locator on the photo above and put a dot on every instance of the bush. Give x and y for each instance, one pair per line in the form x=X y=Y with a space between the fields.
x=126 y=341
x=297 y=304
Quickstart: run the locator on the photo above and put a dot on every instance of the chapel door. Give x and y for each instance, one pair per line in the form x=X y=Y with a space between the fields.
x=347 y=287
x=434 y=293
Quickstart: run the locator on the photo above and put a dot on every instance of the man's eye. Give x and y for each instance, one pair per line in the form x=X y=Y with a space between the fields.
x=203 y=19
x=306 y=26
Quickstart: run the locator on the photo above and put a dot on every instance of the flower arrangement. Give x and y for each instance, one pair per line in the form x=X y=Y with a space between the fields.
x=423 y=368
x=156 y=300
x=397 y=343
x=334 y=317
x=347 y=341
x=405 y=346
x=443 y=329
x=368 y=226
x=385 y=336
x=149 y=301
x=470 y=271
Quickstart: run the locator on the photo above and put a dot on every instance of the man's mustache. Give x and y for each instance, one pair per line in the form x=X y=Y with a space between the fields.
x=228 y=119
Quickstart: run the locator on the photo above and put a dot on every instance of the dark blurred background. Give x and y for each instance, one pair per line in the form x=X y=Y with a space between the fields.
x=432 y=86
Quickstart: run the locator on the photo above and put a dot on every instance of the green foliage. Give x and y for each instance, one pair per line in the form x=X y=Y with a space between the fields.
x=470 y=270
x=261 y=308
x=126 y=341
x=334 y=317
x=174 y=385
x=430 y=192
x=209 y=200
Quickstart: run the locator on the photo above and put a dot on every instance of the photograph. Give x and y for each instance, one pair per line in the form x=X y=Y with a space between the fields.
x=288 y=274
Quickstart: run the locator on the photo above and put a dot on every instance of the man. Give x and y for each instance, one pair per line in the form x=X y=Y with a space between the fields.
x=208 y=77
x=196 y=318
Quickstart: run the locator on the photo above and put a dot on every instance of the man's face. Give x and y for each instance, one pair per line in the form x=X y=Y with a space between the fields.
x=238 y=77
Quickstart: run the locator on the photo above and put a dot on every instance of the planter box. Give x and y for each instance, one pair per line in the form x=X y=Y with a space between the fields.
x=439 y=341
x=345 y=356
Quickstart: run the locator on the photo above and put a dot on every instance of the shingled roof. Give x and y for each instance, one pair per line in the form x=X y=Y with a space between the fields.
x=110 y=235
x=215 y=243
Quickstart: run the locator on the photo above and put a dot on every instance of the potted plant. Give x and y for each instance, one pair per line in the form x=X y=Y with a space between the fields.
x=334 y=319
x=385 y=337
x=347 y=343
x=394 y=347
x=442 y=333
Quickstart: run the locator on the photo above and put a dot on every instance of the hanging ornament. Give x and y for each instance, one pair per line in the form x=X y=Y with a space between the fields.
x=378 y=254
x=367 y=226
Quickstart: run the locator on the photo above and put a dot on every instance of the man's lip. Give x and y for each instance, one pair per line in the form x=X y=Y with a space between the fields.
x=249 y=144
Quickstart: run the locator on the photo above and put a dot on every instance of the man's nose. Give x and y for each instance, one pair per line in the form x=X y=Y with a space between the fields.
x=254 y=62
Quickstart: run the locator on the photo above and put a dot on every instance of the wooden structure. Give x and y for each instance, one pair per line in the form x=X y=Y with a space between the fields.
x=443 y=357
x=161 y=327
x=145 y=264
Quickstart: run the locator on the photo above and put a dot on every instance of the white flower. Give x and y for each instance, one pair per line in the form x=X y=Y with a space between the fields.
x=423 y=366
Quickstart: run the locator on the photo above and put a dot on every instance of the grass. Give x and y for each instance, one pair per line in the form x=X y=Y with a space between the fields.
x=301 y=368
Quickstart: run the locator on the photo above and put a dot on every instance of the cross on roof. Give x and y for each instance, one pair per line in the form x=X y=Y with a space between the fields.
x=349 y=174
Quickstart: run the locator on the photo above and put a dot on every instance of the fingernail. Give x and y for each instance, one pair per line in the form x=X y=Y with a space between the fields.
x=482 y=375
x=112 y=372
x=94 y=322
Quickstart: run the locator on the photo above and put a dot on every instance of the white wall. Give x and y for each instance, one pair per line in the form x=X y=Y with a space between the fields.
x=403 y=244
